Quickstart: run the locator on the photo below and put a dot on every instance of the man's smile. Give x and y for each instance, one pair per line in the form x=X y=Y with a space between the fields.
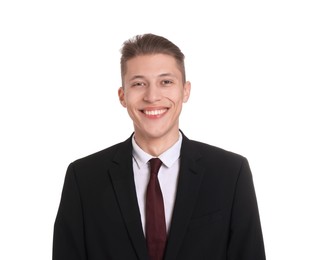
x=154 y=111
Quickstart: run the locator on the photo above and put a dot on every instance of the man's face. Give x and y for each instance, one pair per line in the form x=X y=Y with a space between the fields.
x=153 y=94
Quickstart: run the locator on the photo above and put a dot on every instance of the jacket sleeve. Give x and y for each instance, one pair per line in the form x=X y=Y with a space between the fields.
x=68 y=239
x=246 y=241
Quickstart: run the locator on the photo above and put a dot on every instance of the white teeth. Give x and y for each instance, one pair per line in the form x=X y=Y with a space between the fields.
x=154 y=112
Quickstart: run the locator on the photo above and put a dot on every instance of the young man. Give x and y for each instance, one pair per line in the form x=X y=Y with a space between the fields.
x=206 y=205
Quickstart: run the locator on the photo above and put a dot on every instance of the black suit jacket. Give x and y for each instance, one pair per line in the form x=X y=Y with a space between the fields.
x=215 y=214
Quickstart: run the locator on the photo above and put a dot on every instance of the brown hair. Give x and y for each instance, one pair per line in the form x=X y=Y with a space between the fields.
x=150 y=44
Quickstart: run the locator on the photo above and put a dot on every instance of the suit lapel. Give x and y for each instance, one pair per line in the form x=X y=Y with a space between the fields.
x=190 y=178
x=121 y=173
x=188 y=186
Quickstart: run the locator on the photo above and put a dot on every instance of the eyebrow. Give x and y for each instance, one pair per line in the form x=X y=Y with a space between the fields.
x=137 y=77
x=159 y=76
x=166 y=75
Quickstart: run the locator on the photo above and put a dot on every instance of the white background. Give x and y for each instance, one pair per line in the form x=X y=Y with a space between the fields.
x=250 y=64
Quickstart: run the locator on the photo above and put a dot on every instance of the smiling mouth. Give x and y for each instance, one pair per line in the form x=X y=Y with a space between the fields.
x=156 y=112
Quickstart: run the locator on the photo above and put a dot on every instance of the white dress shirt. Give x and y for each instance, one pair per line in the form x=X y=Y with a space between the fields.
x=167 y=176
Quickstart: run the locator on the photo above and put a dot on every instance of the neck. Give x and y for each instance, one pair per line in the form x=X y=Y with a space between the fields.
x=156 y=146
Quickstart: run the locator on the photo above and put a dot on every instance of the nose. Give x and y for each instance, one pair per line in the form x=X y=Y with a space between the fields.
x=152 y=93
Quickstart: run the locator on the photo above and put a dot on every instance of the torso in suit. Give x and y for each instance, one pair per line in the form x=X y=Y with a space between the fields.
x=215 y=215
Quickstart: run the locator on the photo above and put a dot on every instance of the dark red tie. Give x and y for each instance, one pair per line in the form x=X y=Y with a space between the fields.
x=156 y=233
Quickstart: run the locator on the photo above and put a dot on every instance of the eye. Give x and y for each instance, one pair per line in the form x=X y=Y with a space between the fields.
x=138 y=84
x=167 y=82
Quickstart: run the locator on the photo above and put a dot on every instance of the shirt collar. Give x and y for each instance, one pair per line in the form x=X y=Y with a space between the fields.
x=168 y=157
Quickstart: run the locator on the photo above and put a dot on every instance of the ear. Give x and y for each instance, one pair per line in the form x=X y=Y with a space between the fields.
x=186 y=91
x=121 y=95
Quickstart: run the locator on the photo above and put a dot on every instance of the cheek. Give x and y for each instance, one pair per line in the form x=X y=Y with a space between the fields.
x=176 y=97
x=130 y=102
x=135 y=97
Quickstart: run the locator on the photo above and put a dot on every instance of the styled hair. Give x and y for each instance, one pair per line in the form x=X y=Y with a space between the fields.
x=149 y=44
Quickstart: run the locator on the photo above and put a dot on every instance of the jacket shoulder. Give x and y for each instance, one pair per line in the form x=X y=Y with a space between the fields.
x=207 y=148
x=102 y=159
x=214 y=154
x=216 y=162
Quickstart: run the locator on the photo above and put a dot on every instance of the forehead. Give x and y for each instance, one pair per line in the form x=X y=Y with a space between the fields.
x=151 y=64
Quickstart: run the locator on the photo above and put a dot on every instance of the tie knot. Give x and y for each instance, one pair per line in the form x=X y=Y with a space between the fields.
x=155 y=164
